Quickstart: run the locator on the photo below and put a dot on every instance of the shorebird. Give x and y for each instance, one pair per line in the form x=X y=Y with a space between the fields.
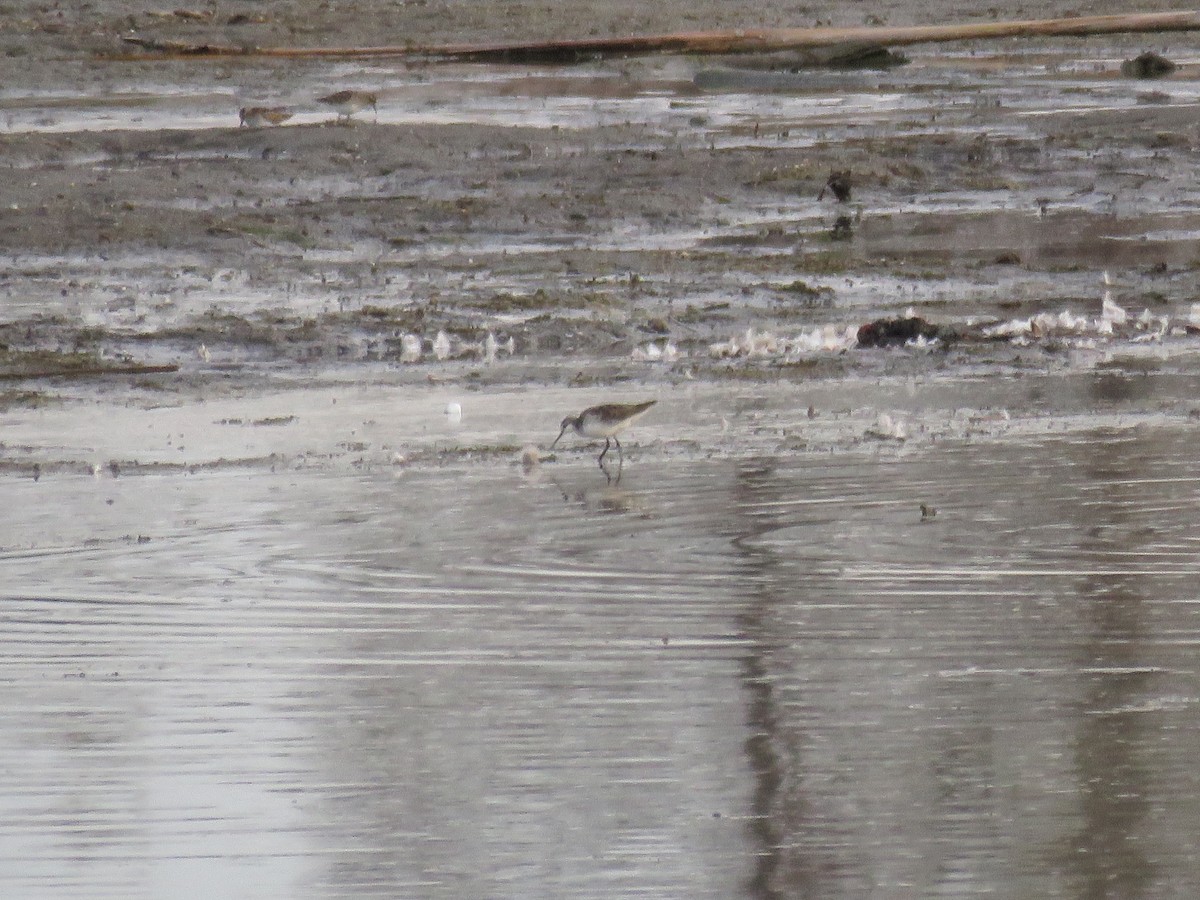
x=347 y=103
x=605 y=421
x=839 y=184
x=259 y=116
x=1147 y=65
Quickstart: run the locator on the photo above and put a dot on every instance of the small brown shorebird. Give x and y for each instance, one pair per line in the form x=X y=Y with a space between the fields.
x=839 y=184
x=605 y=421
x=260 y=116
x=347 y=103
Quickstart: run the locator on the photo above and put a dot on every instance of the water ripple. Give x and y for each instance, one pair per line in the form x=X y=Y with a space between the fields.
x=728 y=673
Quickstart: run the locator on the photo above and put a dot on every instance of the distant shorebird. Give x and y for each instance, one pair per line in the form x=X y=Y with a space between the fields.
x=260 y=116
x=839 y=184
x=605 y=421
x=1148 y=65
x=347 y=103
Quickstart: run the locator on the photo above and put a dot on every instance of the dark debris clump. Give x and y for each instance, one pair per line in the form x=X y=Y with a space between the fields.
x=899 y=331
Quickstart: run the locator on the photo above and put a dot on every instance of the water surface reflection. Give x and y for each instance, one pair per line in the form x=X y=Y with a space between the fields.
x=754 y=678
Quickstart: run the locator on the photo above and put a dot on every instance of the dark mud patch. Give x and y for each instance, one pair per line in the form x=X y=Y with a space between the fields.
x=26 y=399
x=24 y=365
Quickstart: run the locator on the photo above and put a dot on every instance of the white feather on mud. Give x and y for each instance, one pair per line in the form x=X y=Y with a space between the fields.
x=441 y=345
x=410 y=348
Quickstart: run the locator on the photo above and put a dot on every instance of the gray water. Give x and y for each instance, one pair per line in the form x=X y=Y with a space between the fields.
x=761 y=677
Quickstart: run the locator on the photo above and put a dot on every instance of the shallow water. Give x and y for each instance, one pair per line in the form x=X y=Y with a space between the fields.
x=746 y=677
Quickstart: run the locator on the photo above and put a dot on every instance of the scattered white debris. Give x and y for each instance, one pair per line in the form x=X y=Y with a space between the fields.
x=410 y=348
x=832 y=339
x=652 y=352
x=1079 y=332
x=762 y=343
x=1111 y=312
x=888 y=429
x=723 y=349
x=203 y=353
x=1159 y=325
x=1046 y=325
x=1113 y=321
x=812 y=341
x=490 y=346
x=819 y=339
x=441 y=345
x=453 y=412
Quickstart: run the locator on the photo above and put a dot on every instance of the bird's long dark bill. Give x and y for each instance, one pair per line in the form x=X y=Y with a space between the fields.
x=559 y=438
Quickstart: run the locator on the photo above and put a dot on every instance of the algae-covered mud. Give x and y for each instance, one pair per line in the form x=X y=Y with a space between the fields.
x=891 y=596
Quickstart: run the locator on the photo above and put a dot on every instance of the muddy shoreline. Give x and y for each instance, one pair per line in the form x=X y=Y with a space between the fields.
x=633 y=223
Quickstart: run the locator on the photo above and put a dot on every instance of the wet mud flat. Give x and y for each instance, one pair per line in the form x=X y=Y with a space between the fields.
x=282 y=606
x=596 y=212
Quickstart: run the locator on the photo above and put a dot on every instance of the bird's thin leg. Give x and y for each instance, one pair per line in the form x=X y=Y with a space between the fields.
x=620 y=457
x=600 y=460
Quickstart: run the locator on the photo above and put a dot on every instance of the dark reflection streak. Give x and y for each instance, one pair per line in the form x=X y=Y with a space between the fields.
x=1113 y=785
x=605 y=498
x=1105 y=858
x=754 y=484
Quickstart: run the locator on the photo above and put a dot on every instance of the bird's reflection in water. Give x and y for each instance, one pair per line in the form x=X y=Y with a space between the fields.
x=589 y=493
x=843 y=229
x=605 y=499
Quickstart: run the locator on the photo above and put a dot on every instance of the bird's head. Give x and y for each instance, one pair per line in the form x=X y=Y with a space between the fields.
x=568 y=422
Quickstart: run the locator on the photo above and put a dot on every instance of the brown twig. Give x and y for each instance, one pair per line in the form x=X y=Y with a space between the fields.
x=754 y=40
x=87 y=372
